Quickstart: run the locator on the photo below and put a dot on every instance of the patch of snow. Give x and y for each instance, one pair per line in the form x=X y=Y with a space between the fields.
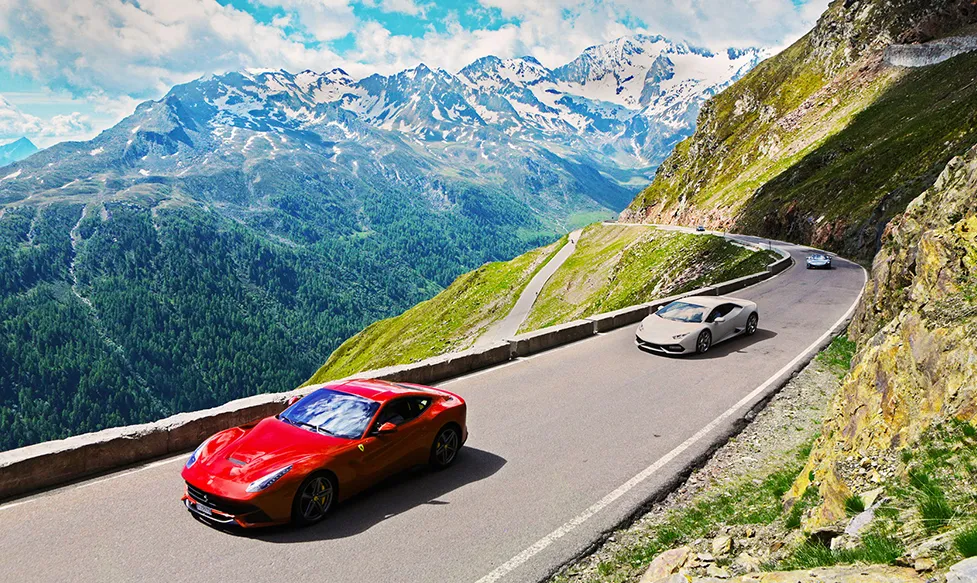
x=96 y=151
x=11 y=176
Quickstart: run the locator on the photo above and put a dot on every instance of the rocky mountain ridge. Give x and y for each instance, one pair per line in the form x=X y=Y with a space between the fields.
x=758 y=161
x=564 y=141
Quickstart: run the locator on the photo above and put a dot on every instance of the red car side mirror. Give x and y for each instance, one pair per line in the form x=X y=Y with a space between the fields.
x=386 y=429
x=293 y=400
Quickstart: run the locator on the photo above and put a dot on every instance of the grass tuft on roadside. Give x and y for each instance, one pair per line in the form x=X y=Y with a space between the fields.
x=854 y=505
x=839 y=354
x=966 y=542
x=874 y=550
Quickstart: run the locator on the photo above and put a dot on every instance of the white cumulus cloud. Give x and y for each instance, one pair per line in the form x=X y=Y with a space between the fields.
x=110 y=54
x=143 y=49
x=557 y=31
x=325 y=20
x=14 y=123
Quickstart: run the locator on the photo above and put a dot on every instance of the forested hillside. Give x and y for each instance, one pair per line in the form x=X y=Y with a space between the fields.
x=125 y=312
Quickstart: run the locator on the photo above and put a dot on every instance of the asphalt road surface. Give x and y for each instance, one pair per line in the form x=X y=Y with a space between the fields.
x=564 y=445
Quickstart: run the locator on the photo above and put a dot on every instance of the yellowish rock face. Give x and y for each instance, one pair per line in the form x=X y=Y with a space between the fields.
x=917 y=333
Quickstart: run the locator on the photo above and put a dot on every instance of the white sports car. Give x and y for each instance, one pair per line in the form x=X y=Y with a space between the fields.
x=696 y=323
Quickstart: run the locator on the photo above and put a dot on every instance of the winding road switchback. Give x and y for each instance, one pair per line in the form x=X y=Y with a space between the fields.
x=508 y=326
x=564 y=445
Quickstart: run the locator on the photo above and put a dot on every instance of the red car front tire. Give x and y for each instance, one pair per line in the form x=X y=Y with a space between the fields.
x=315 y=499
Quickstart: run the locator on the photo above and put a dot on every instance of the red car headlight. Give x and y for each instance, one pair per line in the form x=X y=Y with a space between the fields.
x=267 y=480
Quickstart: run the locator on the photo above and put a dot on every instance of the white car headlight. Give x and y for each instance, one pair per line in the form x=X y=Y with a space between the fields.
x=196 y=454
x=680 y=336
x=265 y=481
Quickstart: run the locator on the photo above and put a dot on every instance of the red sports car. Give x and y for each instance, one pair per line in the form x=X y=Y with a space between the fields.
x=324 y=448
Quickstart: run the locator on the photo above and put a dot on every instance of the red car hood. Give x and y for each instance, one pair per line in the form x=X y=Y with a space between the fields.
x=266 y=447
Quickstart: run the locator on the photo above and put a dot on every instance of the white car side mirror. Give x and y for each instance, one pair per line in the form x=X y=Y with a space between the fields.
x=719 y=320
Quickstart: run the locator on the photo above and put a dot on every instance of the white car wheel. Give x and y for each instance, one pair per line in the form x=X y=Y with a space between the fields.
x=704 y=342
x=751 y=324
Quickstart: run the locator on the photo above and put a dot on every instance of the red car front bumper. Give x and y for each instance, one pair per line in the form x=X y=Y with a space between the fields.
x=225 y=511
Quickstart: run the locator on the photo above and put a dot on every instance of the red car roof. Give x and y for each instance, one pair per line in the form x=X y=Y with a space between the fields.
x=372 y=389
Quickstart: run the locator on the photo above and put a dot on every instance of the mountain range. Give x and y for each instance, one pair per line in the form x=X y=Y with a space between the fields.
x=579 y=138
x=223 y=240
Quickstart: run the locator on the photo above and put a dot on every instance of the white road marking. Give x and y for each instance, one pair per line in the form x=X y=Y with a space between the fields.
x=540 y=545
x=13 y=504
x=150 y=466
x=156 y=464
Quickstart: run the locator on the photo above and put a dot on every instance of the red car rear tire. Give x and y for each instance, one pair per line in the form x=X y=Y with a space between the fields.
x=445 y=448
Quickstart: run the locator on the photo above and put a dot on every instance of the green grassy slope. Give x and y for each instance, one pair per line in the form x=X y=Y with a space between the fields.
x=450 y=321
x=824 y=143
x=614 y=267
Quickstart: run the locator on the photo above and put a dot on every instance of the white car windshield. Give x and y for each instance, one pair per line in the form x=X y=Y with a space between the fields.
x=682 y=312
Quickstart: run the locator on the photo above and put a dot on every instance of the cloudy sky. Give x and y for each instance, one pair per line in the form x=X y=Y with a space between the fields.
x=71 y=68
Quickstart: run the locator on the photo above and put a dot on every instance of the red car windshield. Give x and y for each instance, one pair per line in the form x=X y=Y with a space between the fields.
x=332 y=412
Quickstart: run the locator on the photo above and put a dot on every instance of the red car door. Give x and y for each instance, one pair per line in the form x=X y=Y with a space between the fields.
x=385 y=454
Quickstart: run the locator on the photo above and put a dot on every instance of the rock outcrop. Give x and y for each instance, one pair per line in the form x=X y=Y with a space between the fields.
x=963 y=572
x=863 y=574
x=916 y=328
x=873 y=574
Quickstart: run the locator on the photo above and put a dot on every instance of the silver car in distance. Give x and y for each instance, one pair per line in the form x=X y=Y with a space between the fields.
x=819 y=261
x=695 y=324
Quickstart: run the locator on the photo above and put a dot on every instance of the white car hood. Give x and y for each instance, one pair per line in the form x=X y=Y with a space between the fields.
x=658 y=330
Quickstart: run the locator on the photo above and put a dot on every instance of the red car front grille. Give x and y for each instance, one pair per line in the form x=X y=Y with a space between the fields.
x=219 y=503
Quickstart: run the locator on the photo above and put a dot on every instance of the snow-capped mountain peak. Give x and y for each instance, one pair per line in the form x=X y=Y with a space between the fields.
x=629 y=98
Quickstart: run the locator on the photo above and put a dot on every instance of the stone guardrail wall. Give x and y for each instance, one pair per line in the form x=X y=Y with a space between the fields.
x=45 y=465
x=931 y=53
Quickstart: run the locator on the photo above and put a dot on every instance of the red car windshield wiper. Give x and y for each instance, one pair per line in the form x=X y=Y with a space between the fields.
x=317 y=428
